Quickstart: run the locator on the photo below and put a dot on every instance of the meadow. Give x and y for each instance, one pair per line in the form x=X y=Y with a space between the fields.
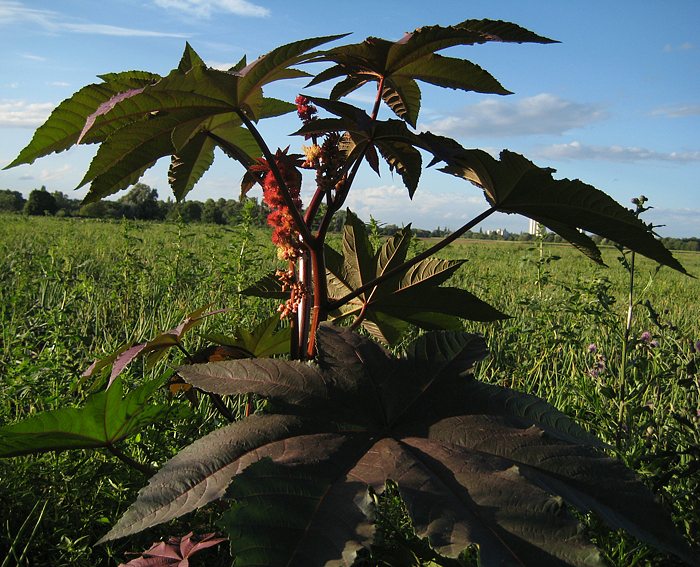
x=72 y=290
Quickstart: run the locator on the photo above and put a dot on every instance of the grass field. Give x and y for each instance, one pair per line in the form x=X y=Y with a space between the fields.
x=74 y=290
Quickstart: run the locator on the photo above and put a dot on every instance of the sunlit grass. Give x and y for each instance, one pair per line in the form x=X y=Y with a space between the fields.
x=74 y=290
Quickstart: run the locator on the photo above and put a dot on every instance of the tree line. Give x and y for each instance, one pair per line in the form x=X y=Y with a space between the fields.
x=142 y=203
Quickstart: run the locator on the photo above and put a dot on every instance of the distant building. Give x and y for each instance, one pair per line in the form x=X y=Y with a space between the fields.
x=536 y=228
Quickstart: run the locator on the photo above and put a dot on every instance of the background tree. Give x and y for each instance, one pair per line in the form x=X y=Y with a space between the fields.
x=65 y=206
x=40 y=202
x=141 y=202
x=186 y=211
x=212 y=213
x=11 y=201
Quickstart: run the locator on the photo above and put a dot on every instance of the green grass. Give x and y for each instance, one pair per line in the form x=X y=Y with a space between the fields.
x=74 y=290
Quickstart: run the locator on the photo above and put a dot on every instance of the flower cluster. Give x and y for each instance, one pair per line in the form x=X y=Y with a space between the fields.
x=331 y=164
x=296 y=290
x=646 y=339
x=305 y=110
x=312 y=154
x=285 y=235
x=600 y=363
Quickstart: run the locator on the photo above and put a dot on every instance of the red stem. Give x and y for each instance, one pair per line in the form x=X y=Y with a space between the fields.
x=318 y=264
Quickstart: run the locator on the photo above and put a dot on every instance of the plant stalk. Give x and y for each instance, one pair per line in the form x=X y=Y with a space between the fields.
x=133 y=463
x=623 y=358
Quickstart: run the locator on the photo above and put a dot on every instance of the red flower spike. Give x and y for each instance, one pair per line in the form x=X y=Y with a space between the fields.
x=285 y=235
x=305 y=111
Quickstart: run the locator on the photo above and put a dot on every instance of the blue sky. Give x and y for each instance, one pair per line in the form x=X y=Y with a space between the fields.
x=616 y=103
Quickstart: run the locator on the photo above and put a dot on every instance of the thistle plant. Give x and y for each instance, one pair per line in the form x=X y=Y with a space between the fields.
x=341 y=417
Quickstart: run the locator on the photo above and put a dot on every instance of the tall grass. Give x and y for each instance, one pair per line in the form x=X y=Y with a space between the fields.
x=74 y=290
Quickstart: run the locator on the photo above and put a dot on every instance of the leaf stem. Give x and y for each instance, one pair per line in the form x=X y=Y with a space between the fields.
x=413 y=261
x=320 y=292
x=123 y=457
x=341 y=196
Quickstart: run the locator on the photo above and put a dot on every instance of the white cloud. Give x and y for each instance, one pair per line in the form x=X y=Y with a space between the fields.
x=103 y=29
x=577 y=150
x=33 y=57
x=390 y=204
x=58 y=84
x=685 y=46
x=205 y=8
x=540 y=114
x=13 y=12
x=678 y=111
x=680 y=223
x=22 y=114
x=55 y=174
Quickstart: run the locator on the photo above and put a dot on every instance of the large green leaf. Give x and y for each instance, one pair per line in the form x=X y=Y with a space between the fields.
x=194 y=144
x=475 y=467
x=273 y=66
x=104 y=420
x=63 y=127
x=410 y=297
x=405 y=159
x=453 y=73
x=514 y=184
x=397 y=65
x=128 y=152
x=190 y=163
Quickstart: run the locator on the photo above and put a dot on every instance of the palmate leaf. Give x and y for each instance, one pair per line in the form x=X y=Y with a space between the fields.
x=127 y=153
x=190 y=163
x=151 y=111
x=481 y=472
x=268 y=287
x=262 y=341
x=514 y=184
x=106 y=418
x=297 y=505
x=413 y=297
x=194 y=144
x=176 y=552
x=402 y=95
x=392 y=138
x=398 y=65
x=64 y=125
x=271 y=67
x=405 y=159
x=201 y=472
